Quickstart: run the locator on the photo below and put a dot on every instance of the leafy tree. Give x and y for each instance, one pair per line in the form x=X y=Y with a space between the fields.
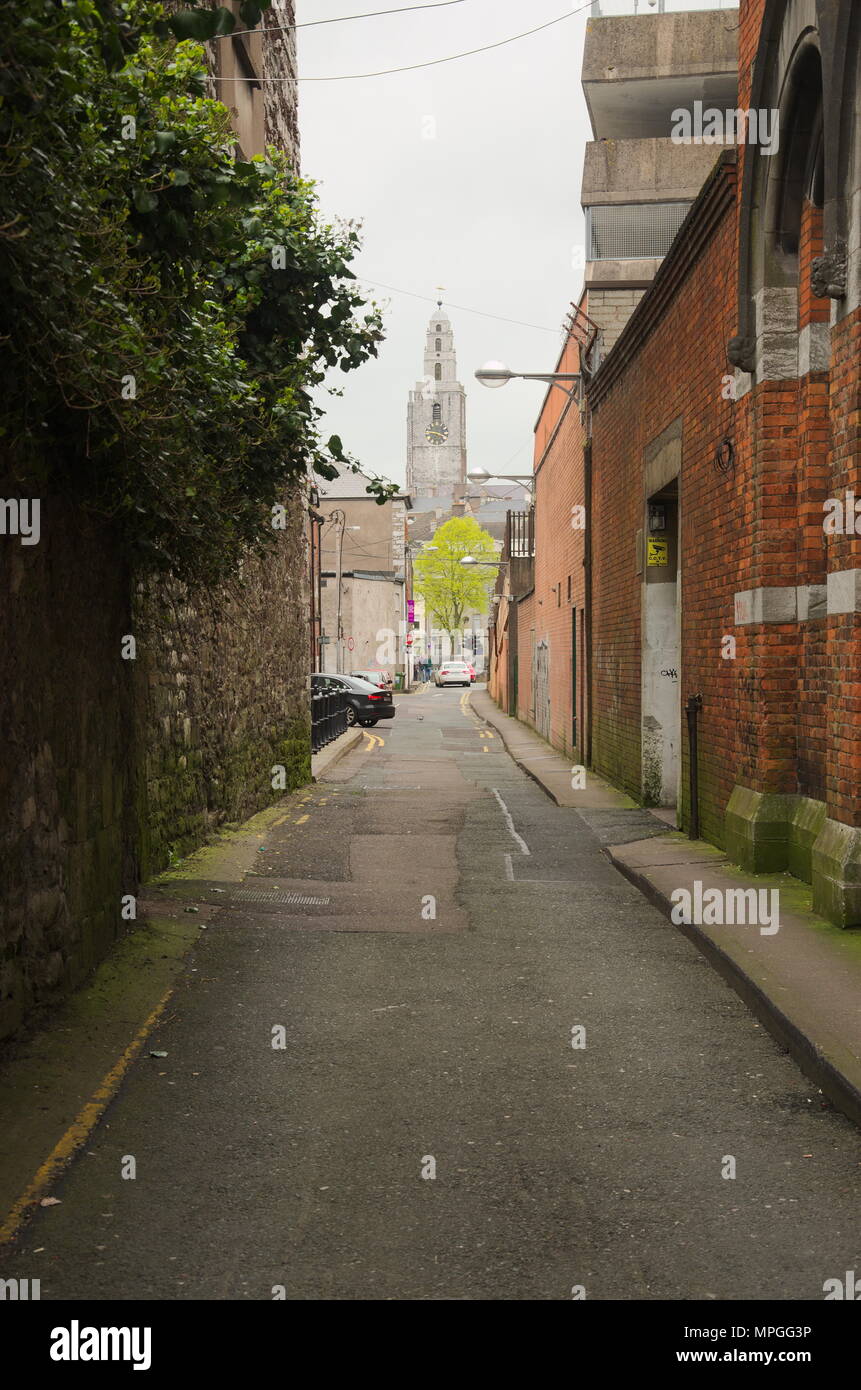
x=166 y=310
x=451 y=590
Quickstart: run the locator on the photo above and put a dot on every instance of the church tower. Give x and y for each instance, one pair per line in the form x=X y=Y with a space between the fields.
x=436 y=418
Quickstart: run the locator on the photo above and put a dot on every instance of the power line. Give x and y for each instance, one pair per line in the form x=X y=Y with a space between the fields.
x=342 y=19
x=413 y=67
x=461 y=308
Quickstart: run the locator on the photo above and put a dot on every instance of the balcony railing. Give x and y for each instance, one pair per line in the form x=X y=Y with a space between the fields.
x=518 y=548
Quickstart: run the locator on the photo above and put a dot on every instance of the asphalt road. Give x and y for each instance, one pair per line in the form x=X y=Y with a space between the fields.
x=460 y=926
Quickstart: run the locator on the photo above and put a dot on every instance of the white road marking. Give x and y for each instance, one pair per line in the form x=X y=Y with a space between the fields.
x=518 y=839
x=509 y=868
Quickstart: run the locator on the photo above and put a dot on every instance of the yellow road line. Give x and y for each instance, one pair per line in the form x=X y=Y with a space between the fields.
x=279 y=821
x=80 y=1128
x=301 y=820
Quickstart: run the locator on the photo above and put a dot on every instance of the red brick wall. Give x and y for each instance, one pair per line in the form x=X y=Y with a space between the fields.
x=525 y=624
x=677 y=372
x=842 y=674
x=783 y=715
x=559 y=554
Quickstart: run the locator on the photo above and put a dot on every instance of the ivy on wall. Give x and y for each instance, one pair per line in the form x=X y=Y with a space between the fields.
x=166 y=309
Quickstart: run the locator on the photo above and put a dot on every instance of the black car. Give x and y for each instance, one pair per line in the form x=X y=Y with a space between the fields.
x=366 y=703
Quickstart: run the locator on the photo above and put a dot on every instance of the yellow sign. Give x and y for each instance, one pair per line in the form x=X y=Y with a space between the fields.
x=657 y=551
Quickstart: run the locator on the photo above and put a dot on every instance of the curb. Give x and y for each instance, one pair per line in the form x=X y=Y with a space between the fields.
x=513 y=755
x=842 y=1092
x=334 y=752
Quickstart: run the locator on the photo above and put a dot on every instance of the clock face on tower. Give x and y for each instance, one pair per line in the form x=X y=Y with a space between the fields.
x=436 y=433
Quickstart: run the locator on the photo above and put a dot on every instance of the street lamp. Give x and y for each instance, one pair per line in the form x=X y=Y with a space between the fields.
x=481 y=475
x=471 y=560
x=494 y=374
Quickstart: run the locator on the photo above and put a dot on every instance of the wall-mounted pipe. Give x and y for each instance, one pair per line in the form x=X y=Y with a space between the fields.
x=693 y=706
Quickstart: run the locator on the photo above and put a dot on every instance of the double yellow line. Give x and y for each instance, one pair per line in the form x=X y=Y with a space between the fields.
x=466 y=708
x=374 y=740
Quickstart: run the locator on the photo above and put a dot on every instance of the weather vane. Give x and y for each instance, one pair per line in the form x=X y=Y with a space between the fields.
x=440 y=291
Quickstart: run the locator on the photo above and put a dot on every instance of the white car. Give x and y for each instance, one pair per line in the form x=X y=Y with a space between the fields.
x=453 y=673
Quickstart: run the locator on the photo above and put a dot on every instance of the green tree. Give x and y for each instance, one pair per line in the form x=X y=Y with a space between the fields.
x=451 y=590
x=167 y=311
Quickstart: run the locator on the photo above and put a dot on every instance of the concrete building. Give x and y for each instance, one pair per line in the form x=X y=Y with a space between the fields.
x=638 y=182
x=363 y=577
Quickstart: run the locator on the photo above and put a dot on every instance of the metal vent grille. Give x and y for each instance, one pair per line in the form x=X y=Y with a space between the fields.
x=632 y=231
x=277 y=895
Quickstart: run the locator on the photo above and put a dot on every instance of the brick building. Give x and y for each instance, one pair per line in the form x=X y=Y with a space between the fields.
x=637 y=187
x=723 y=433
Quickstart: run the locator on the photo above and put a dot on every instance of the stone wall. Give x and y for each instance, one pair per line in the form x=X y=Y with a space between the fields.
x=66 y=711
x=110 y=766
x=221 y=697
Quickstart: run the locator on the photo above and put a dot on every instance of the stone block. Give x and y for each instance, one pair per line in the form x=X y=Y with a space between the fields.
x=807 y=821
x=836 y=861
x=756 y=829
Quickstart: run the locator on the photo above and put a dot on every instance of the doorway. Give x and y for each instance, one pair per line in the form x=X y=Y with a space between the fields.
x=661 y=711
x=541 y=687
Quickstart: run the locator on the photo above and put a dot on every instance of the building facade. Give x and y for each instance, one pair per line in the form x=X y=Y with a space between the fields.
x=363 y=578
x=721 y=446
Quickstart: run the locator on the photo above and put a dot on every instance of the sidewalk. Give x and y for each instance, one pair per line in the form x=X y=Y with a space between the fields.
x=334 y=751
x=543 y=763
x=803 y=982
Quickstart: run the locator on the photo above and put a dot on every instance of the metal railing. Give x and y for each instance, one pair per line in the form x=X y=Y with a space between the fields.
x=519 y=540
x=328 y=717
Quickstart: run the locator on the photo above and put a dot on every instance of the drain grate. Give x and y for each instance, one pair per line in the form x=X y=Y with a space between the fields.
x=277 y=895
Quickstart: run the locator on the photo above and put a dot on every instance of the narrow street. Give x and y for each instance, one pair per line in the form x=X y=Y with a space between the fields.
x=456 y=926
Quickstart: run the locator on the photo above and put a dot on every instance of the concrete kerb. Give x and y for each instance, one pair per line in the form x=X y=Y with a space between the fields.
x=333 y=752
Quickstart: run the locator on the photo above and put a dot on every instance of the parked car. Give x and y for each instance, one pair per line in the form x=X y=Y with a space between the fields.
x=366 y=703
x=381 y=679
x=471 y=670
x=452 y=673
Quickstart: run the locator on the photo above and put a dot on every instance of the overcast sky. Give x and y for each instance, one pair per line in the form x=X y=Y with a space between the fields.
x=465 y=175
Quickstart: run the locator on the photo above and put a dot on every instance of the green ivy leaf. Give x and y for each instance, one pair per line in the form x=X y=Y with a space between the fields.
x=198 y=24
x=145 y=200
